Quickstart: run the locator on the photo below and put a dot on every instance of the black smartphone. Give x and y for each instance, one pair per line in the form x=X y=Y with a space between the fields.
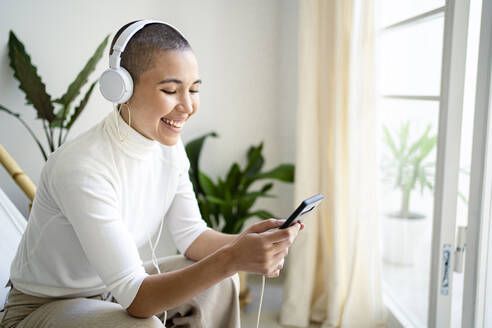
x=306 y=206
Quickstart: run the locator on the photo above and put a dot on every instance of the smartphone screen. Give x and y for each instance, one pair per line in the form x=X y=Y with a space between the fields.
x=305 y=207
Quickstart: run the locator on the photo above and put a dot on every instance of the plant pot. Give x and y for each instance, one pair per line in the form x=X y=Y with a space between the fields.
x=244 y=292
x=402 y=237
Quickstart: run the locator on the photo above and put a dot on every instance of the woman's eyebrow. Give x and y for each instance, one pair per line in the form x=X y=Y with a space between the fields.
x=173 y=80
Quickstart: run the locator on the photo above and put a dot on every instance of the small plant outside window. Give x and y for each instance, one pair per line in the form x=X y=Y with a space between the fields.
x=408 y=168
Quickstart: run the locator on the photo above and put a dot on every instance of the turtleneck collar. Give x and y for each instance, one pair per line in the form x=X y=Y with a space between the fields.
x=134 y=144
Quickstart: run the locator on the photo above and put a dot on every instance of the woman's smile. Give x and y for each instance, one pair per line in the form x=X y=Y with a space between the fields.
x=173 y=125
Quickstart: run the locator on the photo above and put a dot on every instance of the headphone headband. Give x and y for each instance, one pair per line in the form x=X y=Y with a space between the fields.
x=125 y=37
x=115 y=83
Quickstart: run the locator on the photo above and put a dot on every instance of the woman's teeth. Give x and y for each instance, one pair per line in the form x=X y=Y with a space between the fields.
x=172 y=123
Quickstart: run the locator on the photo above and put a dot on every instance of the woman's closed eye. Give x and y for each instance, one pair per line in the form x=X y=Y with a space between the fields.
x=171 y=92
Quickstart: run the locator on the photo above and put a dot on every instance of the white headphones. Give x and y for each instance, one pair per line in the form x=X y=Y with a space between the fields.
x=115 y=83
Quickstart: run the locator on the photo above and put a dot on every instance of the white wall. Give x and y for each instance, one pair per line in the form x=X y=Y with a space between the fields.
x=247 y=54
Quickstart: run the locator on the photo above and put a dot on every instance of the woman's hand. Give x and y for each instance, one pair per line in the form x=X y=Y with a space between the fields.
x=258 y=250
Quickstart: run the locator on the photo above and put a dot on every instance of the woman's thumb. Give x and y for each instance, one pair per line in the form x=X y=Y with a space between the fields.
x=265 y=225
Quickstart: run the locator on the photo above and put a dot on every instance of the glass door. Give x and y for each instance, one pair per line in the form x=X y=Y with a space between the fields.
x=409 y=60
x=421 y=63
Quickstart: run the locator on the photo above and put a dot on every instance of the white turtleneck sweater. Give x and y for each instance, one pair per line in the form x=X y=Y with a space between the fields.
x=98 y=200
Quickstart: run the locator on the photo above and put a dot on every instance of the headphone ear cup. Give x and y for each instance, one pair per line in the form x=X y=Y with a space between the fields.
x=116 y=85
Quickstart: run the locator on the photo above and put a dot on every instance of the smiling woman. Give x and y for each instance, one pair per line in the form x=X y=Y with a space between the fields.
x=164 y=71
x=100 y=197
x=160 y=107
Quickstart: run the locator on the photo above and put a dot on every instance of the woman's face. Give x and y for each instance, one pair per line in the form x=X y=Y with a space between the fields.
x=165 y=97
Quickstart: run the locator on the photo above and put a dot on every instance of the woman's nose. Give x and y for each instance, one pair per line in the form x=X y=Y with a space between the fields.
x=186 y=103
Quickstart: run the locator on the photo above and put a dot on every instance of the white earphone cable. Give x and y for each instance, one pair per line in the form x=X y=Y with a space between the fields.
x=154 y=247
x=154 y=257
x=261 y=301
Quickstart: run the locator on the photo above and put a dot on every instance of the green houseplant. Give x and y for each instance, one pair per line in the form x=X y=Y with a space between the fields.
x=57 y=115
x=226 y=204
x=409 y=170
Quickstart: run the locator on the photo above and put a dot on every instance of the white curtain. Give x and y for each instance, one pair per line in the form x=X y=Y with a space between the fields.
x=333 y=271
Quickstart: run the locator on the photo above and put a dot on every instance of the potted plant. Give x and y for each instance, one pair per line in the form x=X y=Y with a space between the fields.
x=57 y=115
x=227 y=203
x=409 y=169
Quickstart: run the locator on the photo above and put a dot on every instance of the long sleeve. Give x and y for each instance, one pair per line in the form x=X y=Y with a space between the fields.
x=89 y=201
x=99 y=199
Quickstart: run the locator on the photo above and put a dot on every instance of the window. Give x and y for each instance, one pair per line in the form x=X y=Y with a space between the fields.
x=409 y=52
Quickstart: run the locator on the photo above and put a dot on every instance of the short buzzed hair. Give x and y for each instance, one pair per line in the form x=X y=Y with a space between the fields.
x=145 y=44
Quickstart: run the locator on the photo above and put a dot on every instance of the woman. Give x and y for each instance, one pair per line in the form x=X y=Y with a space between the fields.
x=102 y=195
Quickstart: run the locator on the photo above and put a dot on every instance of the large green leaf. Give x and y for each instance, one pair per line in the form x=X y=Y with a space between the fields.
x=283 y=172
x=233 y=178
x=207 y=184
x=81 y=106
x=193 y=150
x=267 y=187
x=74 y=88
x=220 y=187
x=255 y=161
x=227 y=212
x=215 y=200
x=245 y=203
x=30 y=82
